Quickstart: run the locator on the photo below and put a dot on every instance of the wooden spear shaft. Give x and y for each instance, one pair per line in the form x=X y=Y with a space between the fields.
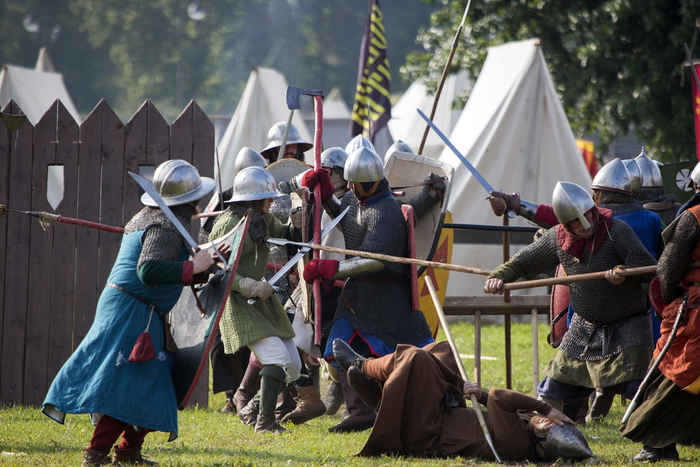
x=443 y=78
x=462 y=371
x=591 y=276
x=398 y=259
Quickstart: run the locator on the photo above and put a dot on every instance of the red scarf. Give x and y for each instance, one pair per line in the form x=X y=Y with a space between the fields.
x=575 y=246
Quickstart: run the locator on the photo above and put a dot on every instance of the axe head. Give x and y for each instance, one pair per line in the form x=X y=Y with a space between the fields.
x=294 y=94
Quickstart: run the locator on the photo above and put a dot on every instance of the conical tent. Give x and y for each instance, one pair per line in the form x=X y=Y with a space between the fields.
x=263 y=104
x=514 y=131
x=34 y=91
x=406 y=125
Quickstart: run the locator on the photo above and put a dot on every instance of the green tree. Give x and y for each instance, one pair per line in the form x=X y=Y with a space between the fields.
x=616 y=64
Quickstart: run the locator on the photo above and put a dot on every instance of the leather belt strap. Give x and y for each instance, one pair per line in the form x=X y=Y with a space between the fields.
x=137 y=297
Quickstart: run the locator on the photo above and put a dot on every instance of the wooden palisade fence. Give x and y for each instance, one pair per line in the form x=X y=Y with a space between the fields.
x=51 y=279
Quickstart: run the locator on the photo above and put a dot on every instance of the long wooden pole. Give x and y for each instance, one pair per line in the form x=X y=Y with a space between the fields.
x=462 y=371
x=395 y=259
x=318 y=143
x=443 y=78
x=591 y=276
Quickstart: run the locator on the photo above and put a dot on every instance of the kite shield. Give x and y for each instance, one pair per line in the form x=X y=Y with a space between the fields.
x=193 y=329
x=403 y=169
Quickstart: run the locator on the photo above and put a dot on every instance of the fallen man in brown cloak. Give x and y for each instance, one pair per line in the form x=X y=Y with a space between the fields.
x=420 y=397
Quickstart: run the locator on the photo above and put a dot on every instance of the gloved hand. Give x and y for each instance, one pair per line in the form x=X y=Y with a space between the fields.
x=320 y=268
x=250 y=288
x=501 y=202
x=297 y=217
x=437 y=189
x=320 y=177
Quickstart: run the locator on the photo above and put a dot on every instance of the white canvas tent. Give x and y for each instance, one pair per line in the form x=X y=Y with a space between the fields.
x=406 y=125
x=263 y=103
x=34 y=91
x=514 y=131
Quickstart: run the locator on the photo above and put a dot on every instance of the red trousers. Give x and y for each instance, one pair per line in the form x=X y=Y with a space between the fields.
x=108 y=430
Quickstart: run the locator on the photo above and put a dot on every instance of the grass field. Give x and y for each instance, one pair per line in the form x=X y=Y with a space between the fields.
x=210 y=438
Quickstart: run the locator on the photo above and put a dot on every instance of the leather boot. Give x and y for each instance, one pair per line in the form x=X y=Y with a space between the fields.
x=286 y=403
x=345 y=356
x=309 y=407
x=600 y=407
x=333 y=398
x=229 y=406
x=248 y=388
x=130 y=457
x=268 y=425
x=315 y=374
x=360 y=417
x=95 y=457
x=249 y=413
x=367 y=388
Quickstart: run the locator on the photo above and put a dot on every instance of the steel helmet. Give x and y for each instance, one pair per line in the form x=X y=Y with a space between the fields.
x=651 y=175
x=247 y=157
x=695 y=175
x=254 y=183
x=178 y=182
x=357 y=142
x=635 y=174
x=613 y=177
x=334 y=158
x=570 y=202
x=398 y=146
x=363 y=165
x=567 y=442
x=276 y=135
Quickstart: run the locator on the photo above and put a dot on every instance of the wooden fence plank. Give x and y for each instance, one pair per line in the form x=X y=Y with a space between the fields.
x=87 y=289
x=5 y=143
x=64 y=238
x=17 y=262
x=40 y=264
x=112 y=196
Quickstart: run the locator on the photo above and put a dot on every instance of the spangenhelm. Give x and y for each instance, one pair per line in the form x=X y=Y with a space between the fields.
x=567 y=442
x=613 y=177
x=276 y=135
x=357 y=142
x=635 y=174
x=178 y=182
x=334 y=158
x=651 y=175
x=248 y=158
x=364 y=165
x=254 y=183
x=570 y=202
x=398 y=146
x=695 y=175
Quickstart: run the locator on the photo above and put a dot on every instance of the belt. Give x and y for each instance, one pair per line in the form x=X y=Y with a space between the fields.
x=131 y=294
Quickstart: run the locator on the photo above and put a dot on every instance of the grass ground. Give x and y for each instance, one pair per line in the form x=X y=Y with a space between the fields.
x=210 y=438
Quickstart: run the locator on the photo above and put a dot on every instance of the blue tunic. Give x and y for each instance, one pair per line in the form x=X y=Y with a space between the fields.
x=98 y=378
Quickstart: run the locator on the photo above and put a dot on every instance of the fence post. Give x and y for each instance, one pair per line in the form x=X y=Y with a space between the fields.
x=535 y=352
x=477 y=347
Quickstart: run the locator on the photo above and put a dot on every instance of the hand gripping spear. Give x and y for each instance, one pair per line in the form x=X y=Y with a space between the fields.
x=462 y=371
x=293 y=95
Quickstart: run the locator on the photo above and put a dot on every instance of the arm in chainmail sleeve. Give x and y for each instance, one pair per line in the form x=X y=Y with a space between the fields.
x=632 y=253
x=676 y=256
x=158 y=261
x=510 y=271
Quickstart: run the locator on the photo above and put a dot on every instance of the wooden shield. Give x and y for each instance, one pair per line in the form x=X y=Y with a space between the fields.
x=403 y=169
x=193 y=330
x=285 y=169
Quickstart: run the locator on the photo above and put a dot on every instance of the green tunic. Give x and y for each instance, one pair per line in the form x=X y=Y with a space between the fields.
x=242 y=323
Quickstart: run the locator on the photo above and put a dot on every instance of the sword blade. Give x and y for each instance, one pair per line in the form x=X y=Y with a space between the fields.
x=464 y=160
x=304 y=250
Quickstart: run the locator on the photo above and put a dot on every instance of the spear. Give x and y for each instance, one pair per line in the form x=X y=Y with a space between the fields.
x=382 y=257
x=445 y=72
x=591 y=276
x=45 y=218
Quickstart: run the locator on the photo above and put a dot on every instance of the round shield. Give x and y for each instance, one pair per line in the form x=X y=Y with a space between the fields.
x=655 y=295
x=286 y=169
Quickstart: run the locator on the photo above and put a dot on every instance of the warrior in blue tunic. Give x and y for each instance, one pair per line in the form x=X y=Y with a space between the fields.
x=127 y=388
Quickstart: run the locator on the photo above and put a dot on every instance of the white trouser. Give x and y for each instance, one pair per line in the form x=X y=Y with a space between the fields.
x=281 y=352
